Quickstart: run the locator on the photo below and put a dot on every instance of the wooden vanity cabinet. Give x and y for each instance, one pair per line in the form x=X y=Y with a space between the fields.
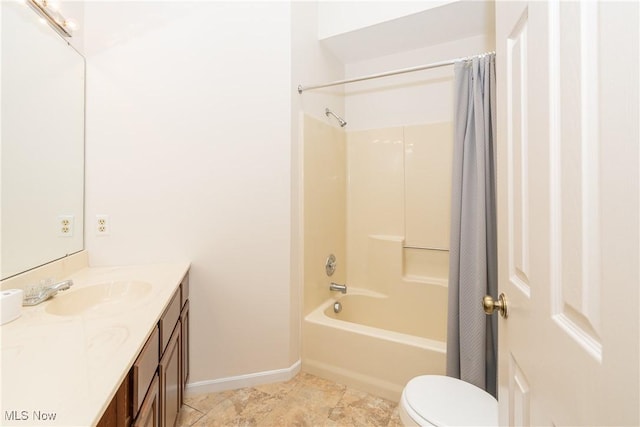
x=184 y=322
x=118 y=413
x=169 y=320
x=169 y=367
x=149 y=413
x=144 y=370
x=171 y=380
x=152 y=393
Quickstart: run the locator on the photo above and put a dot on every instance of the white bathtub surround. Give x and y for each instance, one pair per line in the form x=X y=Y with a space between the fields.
x=64 y=370
x=392 y=271
x=359 y=200
x=399 y=180
x=378 y=361
x=399 y=150
x=428 y=151
x=386 y=334
x=393 y=314
x=325 y=209
x=373 y=217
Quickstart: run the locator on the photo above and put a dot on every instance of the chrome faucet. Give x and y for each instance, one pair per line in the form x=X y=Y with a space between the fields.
x=47 y=292
x=337 y=287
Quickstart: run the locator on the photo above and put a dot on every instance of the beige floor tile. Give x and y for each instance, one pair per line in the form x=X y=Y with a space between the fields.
x=188 y=416
x=255 y=404
x=317 y=393
x=306 y=400
x=221 y=415
x=357 y=408
x=307 y=380
x=205 y=402
x=296 y=413
x=279 y=389
x=395 y=419
x=214 y=420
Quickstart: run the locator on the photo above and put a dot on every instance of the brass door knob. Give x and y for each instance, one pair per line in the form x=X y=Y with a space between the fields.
x=490 y=305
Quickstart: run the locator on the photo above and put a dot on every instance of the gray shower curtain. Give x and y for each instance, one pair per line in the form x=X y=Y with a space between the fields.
x=472 y=335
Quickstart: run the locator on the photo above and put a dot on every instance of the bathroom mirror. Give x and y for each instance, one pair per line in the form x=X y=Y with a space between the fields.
x=42 y=143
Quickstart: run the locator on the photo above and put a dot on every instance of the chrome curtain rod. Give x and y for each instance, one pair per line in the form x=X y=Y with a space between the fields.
x=390 y=73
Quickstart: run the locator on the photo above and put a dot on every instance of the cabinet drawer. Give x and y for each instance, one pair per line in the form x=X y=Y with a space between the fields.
x=144 y=369
x=169 y=319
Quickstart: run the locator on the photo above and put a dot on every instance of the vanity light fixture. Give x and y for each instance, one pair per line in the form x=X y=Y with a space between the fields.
x=50 y=10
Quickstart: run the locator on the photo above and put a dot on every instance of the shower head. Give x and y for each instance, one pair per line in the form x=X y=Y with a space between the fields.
x=340 y=120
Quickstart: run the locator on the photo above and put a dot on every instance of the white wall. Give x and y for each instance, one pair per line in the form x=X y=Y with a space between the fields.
x=313 y=63
x=338 y=17
x=413 y=98
x=189 y=153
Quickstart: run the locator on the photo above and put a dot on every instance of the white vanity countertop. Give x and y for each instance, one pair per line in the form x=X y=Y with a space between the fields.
x=64 y=370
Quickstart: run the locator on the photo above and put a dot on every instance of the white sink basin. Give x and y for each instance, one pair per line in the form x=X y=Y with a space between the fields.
x=104 y=299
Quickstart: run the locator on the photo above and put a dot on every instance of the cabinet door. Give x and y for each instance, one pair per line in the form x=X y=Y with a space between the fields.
x=118 y=413
x=149 y=414
x=184 y=318
x=171 y=380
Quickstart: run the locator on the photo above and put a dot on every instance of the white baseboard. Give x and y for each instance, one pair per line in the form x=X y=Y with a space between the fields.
x=242 y=381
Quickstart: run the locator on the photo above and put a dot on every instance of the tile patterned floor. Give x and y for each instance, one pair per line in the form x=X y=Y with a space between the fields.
x=306 y=400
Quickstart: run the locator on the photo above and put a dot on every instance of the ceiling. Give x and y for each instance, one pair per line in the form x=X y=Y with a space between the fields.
x=449 y=22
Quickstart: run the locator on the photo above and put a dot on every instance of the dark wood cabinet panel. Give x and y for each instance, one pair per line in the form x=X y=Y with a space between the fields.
x=149 y=414
x=119 y=411
x=171 y=379
x=144 y=369
x=185 y=289
x=168 y=320
x=184 y=321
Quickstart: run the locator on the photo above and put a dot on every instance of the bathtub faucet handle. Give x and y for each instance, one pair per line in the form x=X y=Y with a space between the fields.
x=336 y=287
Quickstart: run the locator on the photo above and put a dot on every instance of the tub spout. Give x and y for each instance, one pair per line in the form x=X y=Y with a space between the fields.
x=337 y=287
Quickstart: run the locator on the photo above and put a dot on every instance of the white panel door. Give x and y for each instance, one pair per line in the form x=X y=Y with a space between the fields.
x=568 y=217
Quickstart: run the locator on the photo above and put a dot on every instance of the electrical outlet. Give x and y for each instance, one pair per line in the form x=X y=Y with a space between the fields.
x=102 y=225
x=65 y=225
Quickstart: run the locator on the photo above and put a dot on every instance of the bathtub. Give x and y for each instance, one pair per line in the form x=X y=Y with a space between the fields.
x=376 y=343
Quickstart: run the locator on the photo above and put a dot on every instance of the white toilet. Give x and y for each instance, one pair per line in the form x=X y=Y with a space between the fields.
x=436 y=400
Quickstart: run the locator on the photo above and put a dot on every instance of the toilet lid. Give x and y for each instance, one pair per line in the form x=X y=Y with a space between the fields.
x=446 y=401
